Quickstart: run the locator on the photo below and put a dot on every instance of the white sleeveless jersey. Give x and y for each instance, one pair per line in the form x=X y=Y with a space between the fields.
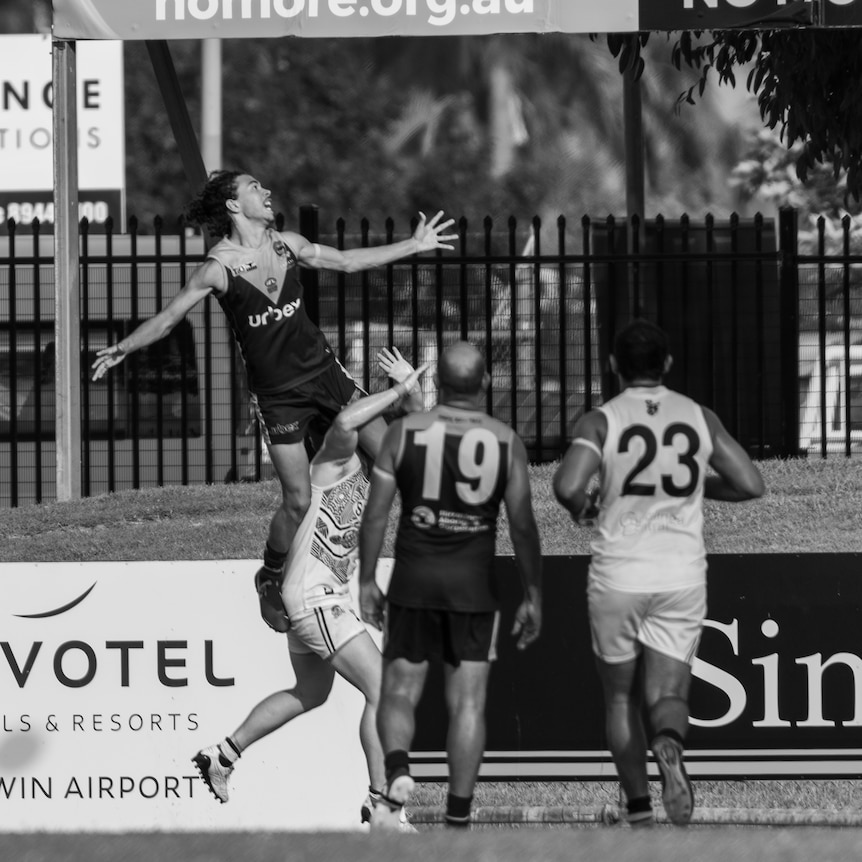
x=650 y=527
x=323 y=554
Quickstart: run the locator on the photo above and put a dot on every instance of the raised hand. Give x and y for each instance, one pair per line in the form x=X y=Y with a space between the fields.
x=428 y=234
x=107 y=358
x=393 y=364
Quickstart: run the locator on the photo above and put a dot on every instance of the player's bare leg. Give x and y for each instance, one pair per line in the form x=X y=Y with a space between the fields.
x=466 y=694
x=666 y=688
x=401 y=689
x=626 y=734
x=314 y=678
x=360 y=663
x=290 y=461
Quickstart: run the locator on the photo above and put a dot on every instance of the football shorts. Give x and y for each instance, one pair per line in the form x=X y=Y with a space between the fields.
x=419 y=635
x=325 y=630
x=307 y=409
x=621 y=622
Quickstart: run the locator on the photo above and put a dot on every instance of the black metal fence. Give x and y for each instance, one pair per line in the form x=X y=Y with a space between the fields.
x=765 y=325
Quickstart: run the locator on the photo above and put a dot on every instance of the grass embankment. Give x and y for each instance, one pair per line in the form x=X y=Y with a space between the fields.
x=811 y=506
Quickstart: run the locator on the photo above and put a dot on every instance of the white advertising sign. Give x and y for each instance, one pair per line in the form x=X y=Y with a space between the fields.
x=233 y=19
x=113 y=675
x=26 y=129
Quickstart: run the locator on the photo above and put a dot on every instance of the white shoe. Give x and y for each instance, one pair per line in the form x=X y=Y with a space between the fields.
x=214 y=770
x=676 y=792
x=389 y=814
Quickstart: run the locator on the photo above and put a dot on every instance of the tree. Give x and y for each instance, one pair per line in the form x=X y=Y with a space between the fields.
x=808 y=85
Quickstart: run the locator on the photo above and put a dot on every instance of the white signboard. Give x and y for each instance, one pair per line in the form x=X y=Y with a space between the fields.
x=113 y=675
x=26 y=128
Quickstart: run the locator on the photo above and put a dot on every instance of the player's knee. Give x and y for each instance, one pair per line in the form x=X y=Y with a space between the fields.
x=312 y=696
x=295 y=503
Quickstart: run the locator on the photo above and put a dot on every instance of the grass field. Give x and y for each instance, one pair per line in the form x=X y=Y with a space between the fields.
x=811 y=507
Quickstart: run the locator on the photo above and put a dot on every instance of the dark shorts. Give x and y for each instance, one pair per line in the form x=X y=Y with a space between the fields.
x=420 y=635
x=306 y=410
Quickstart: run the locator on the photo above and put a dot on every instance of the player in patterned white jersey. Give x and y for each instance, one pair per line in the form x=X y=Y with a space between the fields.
x=454 y=466
x=658 y=454
x=325 y=636
x=295 y=381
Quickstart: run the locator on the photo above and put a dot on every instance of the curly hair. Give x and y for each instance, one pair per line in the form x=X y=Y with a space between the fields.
x=208 y=208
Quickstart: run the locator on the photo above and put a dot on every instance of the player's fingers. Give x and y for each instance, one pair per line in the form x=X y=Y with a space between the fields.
x=433 y=221
x=397 y=353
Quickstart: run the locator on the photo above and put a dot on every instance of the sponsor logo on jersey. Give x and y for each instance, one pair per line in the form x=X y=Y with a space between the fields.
x=243 y=267
x=423 y=518
x=274 y=314
x=651 y=407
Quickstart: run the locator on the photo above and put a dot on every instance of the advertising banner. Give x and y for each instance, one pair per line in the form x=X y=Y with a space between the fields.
x=26 y=130
x=777 y=687
x=232 y=19
x=112 y=676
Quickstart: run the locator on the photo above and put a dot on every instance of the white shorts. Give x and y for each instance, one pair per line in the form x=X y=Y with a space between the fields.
x=324 y=631
x=670 y=623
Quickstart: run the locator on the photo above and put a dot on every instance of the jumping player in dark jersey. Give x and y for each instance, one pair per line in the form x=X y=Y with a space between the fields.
x=453 y=467
x=294 y=377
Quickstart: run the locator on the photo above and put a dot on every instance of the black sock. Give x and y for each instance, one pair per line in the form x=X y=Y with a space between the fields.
x=639 y=804
x=396 y=763
x=273 y=559
x=458 y=810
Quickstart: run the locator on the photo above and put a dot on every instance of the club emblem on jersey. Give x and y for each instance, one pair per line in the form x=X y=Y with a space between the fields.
x=423 y=518
x=337 y=611
x=279 y=248
x=271 y=285
x=651 y=407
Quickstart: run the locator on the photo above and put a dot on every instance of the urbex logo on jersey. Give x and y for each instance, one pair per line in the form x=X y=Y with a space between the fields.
x=276 y=315
x=76 y=663
x=772 y=716
x=439 y=12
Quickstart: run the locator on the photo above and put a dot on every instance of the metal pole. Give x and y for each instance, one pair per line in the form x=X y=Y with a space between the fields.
x=634 y=144
x=67 y=335
x=211 y=104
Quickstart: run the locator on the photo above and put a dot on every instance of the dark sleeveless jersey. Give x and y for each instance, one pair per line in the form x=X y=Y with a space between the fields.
x=451 y=468
x=280 y=345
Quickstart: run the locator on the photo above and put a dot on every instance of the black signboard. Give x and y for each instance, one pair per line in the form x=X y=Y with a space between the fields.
x=777 y=687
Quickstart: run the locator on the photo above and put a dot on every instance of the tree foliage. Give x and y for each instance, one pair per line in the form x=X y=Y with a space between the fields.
x=808 y=84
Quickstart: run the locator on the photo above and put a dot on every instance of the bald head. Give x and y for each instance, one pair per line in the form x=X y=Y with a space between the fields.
x=461 y=369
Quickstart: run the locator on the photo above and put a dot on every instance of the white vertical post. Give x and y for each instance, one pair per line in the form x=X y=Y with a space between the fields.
x=211 y=104
x=67 y=336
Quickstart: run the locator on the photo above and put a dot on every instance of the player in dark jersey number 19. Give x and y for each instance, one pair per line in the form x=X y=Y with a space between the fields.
x=454 y=466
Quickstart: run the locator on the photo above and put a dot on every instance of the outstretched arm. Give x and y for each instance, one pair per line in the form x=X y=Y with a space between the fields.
x=397 y=368
x=429 y=235
x=206 y=278
x=342 y=438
